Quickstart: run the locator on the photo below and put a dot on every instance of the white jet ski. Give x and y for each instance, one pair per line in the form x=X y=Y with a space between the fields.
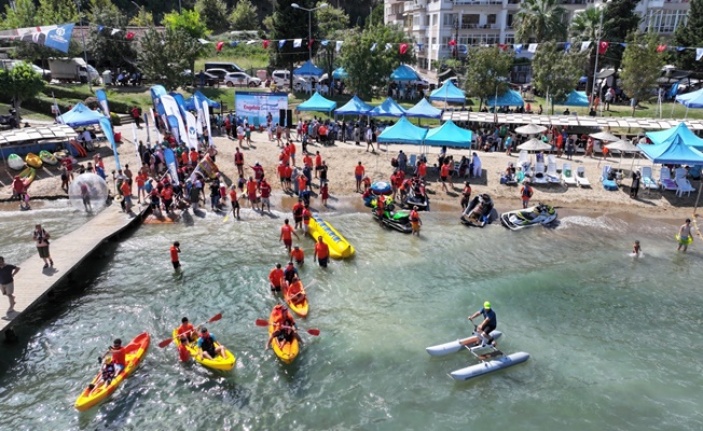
x=520 y=219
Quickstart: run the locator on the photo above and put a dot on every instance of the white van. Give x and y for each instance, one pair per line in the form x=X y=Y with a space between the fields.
x=282 y=79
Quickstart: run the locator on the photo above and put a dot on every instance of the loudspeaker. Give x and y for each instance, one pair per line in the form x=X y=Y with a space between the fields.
x=286 y=118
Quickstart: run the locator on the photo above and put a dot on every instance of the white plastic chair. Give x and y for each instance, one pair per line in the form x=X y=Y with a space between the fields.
x=581 y=179
x=684 y=186
x=567 y=175
x=665 y=180
x=647 y=180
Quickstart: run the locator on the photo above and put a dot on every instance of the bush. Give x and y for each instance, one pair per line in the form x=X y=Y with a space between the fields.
x=115 y=119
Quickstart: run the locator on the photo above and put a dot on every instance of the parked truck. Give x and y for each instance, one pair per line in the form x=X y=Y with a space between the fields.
x=72 y=70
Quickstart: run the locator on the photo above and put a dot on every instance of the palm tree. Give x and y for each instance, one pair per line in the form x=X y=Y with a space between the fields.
x=540 y=21
x=585 y=26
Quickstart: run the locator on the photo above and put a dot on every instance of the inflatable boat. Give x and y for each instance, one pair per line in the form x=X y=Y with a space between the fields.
x=520 y=219
x=15 y=162
x=33 y=161
x=456 y=345
x=495 y=364
x=339 y=246
x=48 y=158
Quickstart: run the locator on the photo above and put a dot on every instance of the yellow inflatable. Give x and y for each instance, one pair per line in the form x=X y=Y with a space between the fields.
x=339 y=246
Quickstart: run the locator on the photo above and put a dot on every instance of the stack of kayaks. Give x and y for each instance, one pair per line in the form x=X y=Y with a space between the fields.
x=221 y=363
x=15 y=162
x=28 y=175
x=33 y=161
x=48 y=158
x=285 y=351
x=98 y=391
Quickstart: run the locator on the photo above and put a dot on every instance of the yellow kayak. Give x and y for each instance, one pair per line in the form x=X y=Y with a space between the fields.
x=302 y=308
x=220 y=363
x=97 y=391
x=286 y=351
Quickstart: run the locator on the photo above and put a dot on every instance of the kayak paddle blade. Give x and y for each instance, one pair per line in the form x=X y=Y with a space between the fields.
x=314 y=332
x=262 y=322
x=165 y=342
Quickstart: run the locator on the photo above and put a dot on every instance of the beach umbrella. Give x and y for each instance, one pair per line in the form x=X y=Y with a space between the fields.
x=534 y=145
x=530 y=129
x=624 y=147
x=604 y=136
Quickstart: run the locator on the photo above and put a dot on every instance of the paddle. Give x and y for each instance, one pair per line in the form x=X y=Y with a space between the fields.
x=224 y=220
x=214 y=318
x=312 y=331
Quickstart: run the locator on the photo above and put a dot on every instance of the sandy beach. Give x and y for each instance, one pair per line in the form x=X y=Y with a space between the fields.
x=343 y=157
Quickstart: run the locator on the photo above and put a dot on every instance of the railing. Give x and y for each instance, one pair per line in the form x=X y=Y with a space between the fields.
x=465 y=26
x=479 y=2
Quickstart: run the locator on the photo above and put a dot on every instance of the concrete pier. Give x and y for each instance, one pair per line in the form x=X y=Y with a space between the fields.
x=33 y=282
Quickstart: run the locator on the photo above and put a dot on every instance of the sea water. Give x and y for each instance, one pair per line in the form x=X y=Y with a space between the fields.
x=614 y=341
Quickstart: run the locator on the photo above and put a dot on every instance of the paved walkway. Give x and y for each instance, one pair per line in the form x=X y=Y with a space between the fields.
x=33 y=282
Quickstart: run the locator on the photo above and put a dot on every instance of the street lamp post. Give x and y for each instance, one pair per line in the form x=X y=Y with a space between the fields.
x=309 y=11
x=595 y=68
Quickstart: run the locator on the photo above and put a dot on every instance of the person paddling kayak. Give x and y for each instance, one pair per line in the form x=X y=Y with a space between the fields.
x=186 y=330
x=286 y=330
x=295 y=292
x=488 y=324
x=119 y=354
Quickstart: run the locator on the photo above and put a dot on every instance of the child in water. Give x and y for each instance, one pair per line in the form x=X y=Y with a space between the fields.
x=636 y=249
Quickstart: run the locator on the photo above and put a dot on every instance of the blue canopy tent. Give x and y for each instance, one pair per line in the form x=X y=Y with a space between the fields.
x=404 y=73
x=190 y=102
x=575 y=98
x=691 y=100
x=308 y=69
x=509 y=98
x=80 y=115
x=318 y=103
x=423 y=109
x=679 y=132
x=449 y=134
x=355 y=106
x=673 y=151
x=403 y=132
x=340 y=73
x=389 y=108
x=448 y=92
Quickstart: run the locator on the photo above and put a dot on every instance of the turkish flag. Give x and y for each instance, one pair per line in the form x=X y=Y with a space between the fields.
x=129 y=35
x=452 y=42
x=403 y=48
x=219 y=46
x=266 y=43
x=603 y=47
x=502 y=47
x=661 y=48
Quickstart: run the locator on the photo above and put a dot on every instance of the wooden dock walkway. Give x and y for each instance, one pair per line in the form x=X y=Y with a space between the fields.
x=33 y=282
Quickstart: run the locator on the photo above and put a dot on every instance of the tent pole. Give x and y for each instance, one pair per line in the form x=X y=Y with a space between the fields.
x=672 y=109
x=695 y=207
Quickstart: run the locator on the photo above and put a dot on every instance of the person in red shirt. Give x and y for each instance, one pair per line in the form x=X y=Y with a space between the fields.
x=265 y=190
x=275 y=277
x=286 y=235
x=306 y=218
x=288 y=174
x=318 y=162
x=167 y=197
x=141 y=181
x=297 y=255
x=281 y=170
x=322 y=252
x=421 y=170
x=251 y=192
x=126 y=192
x=302 y=184
x=444 y=175
x=185 y=160
x=415 y=221
x=234 y=201
x=175 y=249
x=186 y=330
x=183 y=352
x=284 y=157
x=291 y=152
x=359 y=174
x=194 y=156
x=324 y=193
x=298 y=213
x=119 y=354
x=239 y=161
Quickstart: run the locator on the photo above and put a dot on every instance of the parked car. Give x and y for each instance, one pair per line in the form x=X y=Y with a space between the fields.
x=209 y=79
x=282 y=79
x=220 y=73
x=233 y=79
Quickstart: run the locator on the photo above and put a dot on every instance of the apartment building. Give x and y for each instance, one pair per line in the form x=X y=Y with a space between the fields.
x=433 y=23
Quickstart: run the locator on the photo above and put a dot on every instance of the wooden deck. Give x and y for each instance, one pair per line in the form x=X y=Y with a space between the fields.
x=33 y=282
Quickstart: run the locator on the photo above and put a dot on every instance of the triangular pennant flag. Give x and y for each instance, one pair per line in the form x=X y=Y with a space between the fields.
x=403 y=48
x=311 y=42
x=603 y=47
x=373 y=47
x=567 y=46
x=419 y=46
x=532 y=48
x=115 y=31
x=101 y=28
x=623 y=44
x=297 y=43
x=203 y=41
x=517 y=48
x=452 y=42
x=338 y=45
x=219 y=46
x=699 y=54
x=661 y=48
x=266 y=43
x=234 y=43
x=389 y=46
x=585 y=45
x=129 y=35
x=680 y=48
x=281 y=43
x=324 y=42
x=502 y=47
x=251 y=42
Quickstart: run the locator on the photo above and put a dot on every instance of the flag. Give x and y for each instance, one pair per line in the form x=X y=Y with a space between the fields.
x=502 y=46
x=518 y=48
x=115 y=31
x=661 y=48
x=389 y=46
x=311 y=42
x=403 y=48
x=532 y=48
x=102 y=101
x=203 y=41
x=338 y=45
x=452 y=42
x=281 y=43
x=585 y=46
x=297 y=43
x=680 y=48
x=234 y=43
x=129 y=36
x=107 y=131
x=324 y=42
x=219 y=46
x=52 y=36
x=266 y=43
x=373 y=47
x=623 y=44
x=206 y=114
x=419 y=46
x=101 y=28
x=699 y=54
x=567 y=46
x=603 y=47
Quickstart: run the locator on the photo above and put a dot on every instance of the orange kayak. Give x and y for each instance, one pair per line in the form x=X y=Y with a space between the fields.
x=98 y=390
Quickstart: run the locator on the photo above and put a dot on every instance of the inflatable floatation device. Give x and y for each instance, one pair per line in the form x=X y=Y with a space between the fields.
x=339 y=246
x=381 y=188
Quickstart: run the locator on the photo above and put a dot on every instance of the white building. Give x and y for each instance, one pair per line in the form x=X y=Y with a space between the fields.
x=433 y=23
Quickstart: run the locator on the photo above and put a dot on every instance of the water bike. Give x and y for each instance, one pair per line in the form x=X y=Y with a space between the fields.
x=479 y=212
x=398 y=220
x=519 y=219
x=417 y=197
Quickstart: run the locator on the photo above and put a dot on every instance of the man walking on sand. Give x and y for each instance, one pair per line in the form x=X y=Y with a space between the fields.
x=7 y=286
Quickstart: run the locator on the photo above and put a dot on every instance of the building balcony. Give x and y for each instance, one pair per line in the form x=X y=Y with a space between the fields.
x=479 y=2
x=468 y=26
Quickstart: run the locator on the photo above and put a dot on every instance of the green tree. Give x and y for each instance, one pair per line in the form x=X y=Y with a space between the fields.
x=214 y=13
x=368 y=68
x=21 y=83
x=540 y=21
x=556 y=72
x=330 y=20
x=487 y=72
x=163 y=56
x=188 y=21
x=690 y=35
x=106 y=49
x=619 y=21
x=641 y=67
x=376 y=17
x=291 y=23
x=244 y=17
x=143 y=18
x=584 y=27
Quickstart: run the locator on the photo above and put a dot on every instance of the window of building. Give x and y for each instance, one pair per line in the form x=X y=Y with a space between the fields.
x=427 y=20
x=448 y=19
x=416 y=20
x=434 y=19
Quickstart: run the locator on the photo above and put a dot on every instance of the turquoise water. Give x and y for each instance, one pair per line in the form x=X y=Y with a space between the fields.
x=614 y=341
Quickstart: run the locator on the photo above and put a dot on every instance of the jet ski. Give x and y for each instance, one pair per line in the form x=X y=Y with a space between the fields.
x=479 y=212
x=417 y=197
x=519 y=219
x=392 y=218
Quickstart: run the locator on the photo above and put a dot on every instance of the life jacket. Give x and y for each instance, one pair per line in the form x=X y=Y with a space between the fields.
x=414 y=216
x=207 y=344
x=526 y=192
x=238 y=158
